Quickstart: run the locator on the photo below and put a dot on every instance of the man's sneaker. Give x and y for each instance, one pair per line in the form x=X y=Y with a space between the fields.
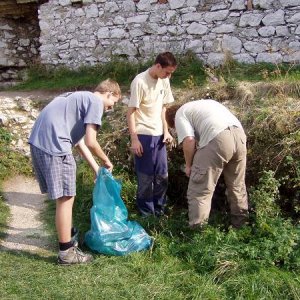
x=73 y=256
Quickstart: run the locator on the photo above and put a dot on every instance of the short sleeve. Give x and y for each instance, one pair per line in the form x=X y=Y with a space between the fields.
x=94 y=111
x=183 y=127
x=168 y=94
x=136 y=93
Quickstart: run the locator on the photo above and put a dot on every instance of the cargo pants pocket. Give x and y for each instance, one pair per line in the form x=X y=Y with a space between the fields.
x=197 y=174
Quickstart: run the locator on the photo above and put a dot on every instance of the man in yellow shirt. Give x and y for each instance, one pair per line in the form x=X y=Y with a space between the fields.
x=150 y=92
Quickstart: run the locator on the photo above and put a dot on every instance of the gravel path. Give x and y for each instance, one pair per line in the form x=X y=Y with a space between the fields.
x=26 y=231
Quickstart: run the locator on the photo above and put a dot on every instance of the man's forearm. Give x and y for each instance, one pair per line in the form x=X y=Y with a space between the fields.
x=163 y=118
x=189 y=149
x=131 y=124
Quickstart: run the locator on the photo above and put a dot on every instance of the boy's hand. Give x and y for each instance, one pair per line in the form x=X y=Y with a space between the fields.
x=136 y=147
x=108 y=165
x=167 y=138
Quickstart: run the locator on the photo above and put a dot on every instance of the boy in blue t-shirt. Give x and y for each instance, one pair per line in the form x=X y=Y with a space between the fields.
x=70 y=120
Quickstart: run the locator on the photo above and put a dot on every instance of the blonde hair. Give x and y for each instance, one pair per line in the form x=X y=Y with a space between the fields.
x=110 y=86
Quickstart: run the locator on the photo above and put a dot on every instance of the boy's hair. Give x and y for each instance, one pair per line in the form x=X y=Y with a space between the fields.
x=170 y=114
x=109 y=85
x=166 y=59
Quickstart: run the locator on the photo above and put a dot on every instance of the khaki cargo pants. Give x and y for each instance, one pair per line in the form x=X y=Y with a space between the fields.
x=225 y=153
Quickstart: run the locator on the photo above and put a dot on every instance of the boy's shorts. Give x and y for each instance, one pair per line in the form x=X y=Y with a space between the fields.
x=56 y=174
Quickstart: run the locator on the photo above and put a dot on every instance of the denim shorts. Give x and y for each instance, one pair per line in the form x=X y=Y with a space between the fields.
x=56 y=174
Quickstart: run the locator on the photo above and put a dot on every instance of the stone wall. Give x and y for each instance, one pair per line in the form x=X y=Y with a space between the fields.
x=19 y=44
x=17 y=115
x=91 y=31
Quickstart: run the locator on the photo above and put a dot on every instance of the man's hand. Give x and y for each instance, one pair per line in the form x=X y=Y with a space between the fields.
x=167 y=138
x=188 y=171
x=136 y=147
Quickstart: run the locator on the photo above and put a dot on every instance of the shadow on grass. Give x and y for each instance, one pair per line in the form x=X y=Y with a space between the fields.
x=48 y=258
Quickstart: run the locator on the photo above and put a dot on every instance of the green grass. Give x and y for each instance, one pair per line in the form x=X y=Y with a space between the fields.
x=260 y=261
x=163 y=273
x=137 y=276
x=232 y=70
x=189 y=69
x=11 y=162
x=62 y=78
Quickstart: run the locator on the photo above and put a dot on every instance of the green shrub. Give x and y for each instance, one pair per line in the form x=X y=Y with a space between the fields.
x=11 y=162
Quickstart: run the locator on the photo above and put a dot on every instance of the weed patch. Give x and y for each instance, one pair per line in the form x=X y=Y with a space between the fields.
x=259 y=261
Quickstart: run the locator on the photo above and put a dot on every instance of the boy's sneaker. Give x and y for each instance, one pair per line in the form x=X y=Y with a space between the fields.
x=73 y=256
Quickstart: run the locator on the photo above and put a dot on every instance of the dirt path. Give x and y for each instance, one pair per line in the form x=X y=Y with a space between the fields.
x=26 y=231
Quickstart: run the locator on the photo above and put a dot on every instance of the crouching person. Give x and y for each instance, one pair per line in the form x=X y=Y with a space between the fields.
x=70 y=120
x=213 y=142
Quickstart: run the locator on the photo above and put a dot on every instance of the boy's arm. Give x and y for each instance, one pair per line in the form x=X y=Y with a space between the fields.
x=167 y=136
x=136 y=146
x=87 y=155
x=90 y=141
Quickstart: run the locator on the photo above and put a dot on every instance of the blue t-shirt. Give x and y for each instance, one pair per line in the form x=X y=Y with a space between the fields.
x=61 y=124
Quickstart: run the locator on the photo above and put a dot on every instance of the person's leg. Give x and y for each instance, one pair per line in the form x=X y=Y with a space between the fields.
x=144 y=170
x=207 y=167
x=37 y=158
x=63 y=218
x=144 y=196
x=59 y=173
x=160 y=183
x=69 y=253
x=201 y=187
x=234 y=175
x=202 y=183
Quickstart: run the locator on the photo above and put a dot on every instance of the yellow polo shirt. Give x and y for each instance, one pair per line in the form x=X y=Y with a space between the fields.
x=148 y=95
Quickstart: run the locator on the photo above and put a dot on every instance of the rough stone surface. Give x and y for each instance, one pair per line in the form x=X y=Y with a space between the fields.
x=96 y=31
x=18 y=113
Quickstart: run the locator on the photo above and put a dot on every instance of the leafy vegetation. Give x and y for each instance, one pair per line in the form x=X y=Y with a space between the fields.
x=11 y=162
x=259 y=261
x=190 y=71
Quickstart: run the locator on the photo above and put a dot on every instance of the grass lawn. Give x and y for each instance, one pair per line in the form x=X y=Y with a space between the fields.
x=260 y=261
x=160 y=274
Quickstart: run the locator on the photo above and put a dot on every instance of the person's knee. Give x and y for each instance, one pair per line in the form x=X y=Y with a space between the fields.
x=145 y=185
x=65 y=198
x=162 y=180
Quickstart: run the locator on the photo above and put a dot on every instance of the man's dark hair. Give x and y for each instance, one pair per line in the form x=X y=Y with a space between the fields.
x=170 y=115
x=166 y=59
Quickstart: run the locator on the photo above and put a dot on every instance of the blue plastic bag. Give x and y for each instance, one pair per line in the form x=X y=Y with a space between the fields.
x=111 y=233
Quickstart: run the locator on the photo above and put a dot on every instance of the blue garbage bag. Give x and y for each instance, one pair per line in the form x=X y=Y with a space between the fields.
x=111 y=233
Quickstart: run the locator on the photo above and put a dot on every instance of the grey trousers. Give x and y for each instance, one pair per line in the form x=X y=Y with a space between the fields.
x=225 y=153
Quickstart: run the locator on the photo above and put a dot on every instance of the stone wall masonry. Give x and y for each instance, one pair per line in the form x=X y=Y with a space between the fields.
x=19 y=45
x=17 y=115
x=92 y=31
